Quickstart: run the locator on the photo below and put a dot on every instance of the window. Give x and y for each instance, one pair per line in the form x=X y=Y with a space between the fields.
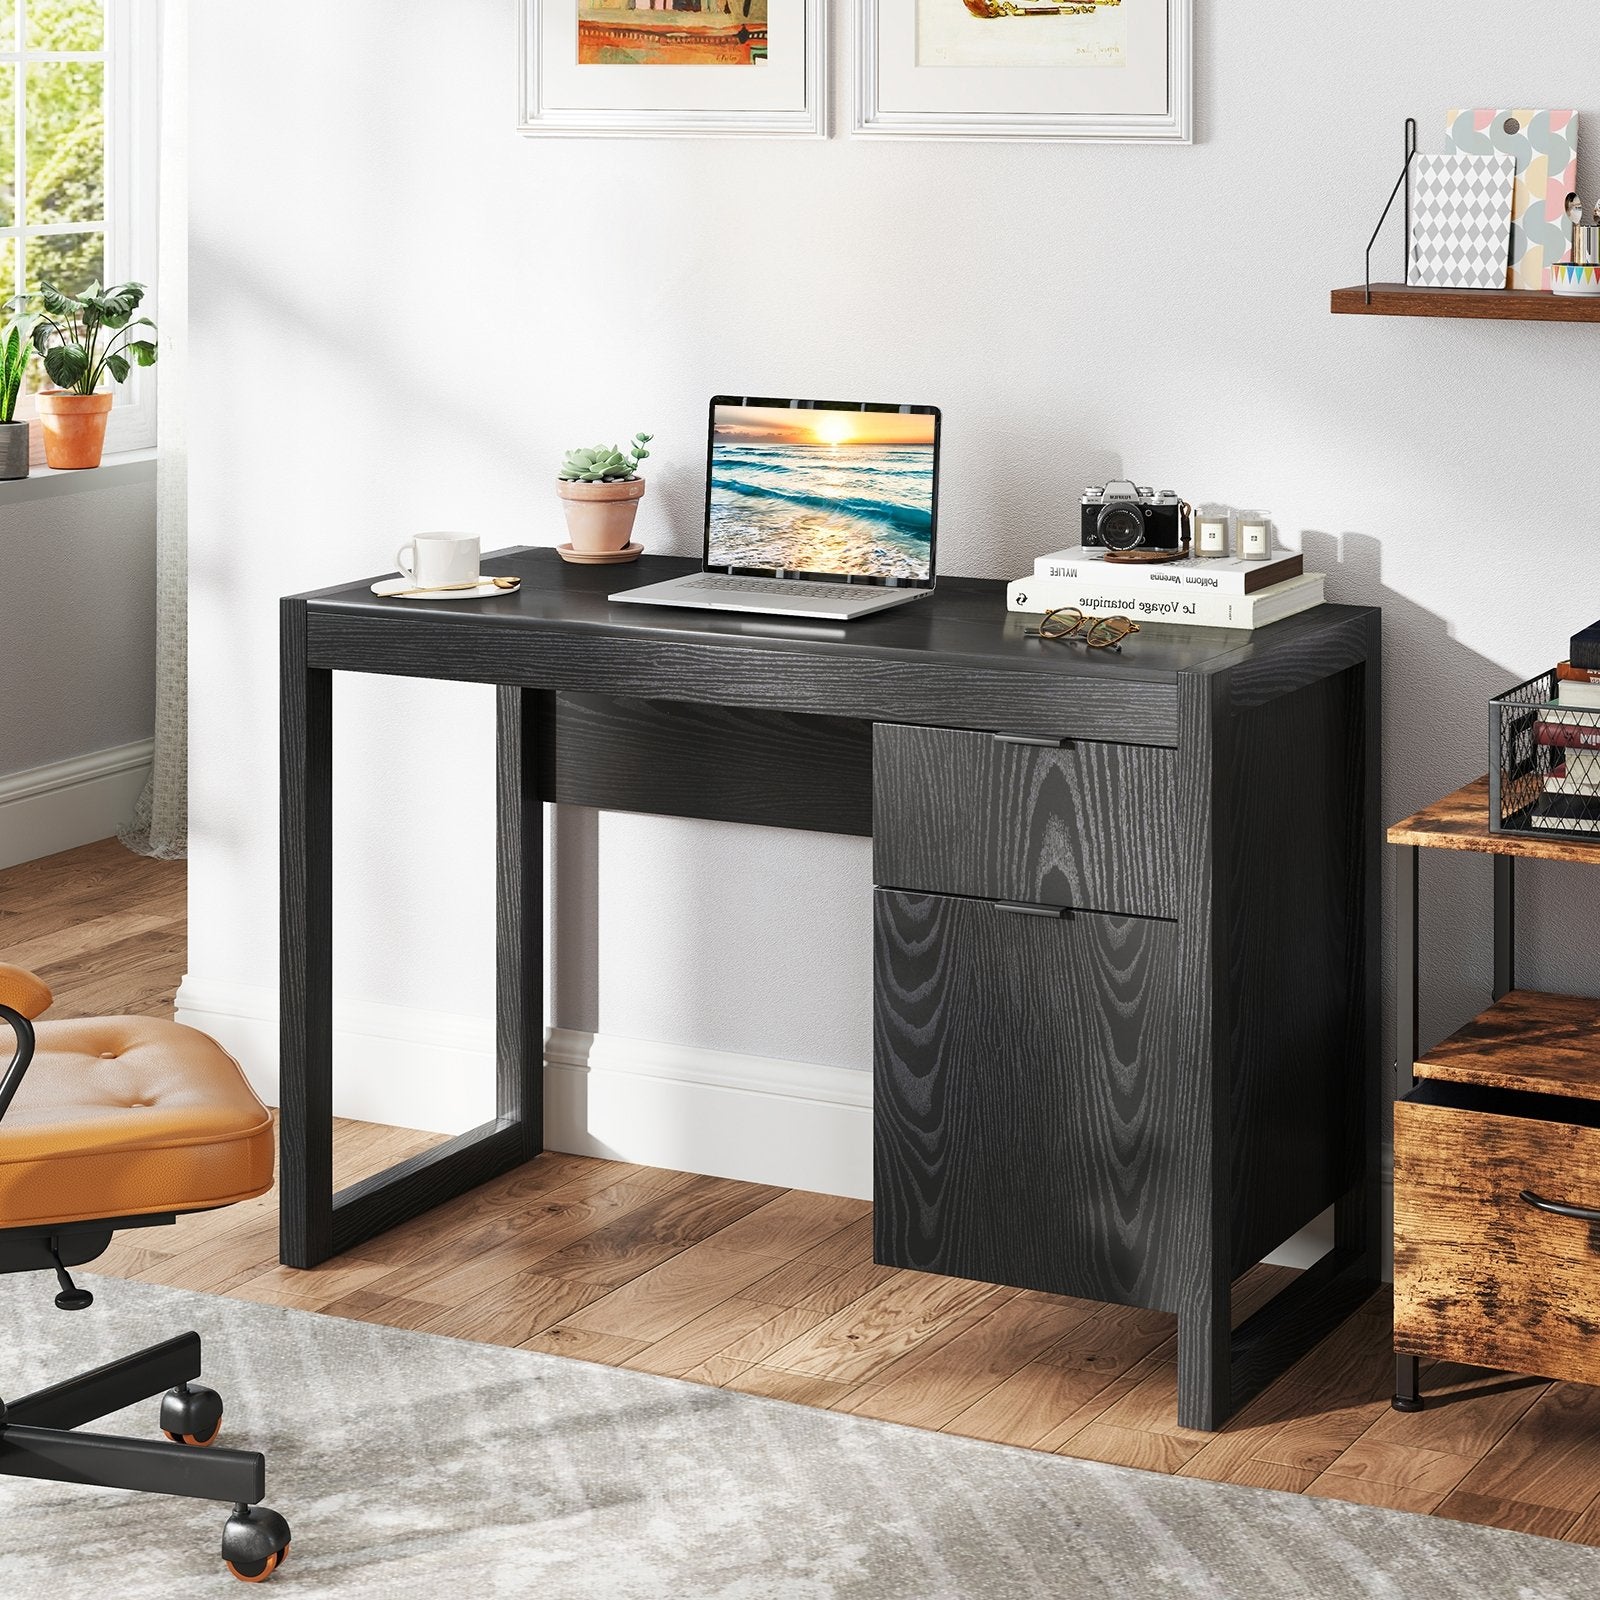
x=77 y=161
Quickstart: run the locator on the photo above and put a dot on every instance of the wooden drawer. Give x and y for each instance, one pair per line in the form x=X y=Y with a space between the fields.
x=1086 y=824
x=1028 y=1126
x=1480 y=1274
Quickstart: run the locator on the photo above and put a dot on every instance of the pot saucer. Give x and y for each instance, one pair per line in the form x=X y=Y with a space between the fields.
x=600 y=558
x=406 y=589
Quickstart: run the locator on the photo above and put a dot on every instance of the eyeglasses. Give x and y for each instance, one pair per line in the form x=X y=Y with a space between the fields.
x=1094 y=633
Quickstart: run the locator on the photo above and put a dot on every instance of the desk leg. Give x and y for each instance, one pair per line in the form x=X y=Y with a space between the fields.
x=305 y=950
x=316 y=1223
x=519 y=921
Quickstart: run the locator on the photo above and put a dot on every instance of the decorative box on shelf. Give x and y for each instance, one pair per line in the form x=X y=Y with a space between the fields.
x=1544 y=763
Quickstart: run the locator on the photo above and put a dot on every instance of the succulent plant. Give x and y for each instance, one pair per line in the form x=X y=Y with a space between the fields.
x=605 y=463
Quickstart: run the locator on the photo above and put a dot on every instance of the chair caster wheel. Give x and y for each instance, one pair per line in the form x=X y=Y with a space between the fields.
x=255 y=1543
x=191 y=1414
x=1406 y=1402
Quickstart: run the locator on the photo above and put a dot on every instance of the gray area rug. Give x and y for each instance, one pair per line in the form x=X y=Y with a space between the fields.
x=412 y=1465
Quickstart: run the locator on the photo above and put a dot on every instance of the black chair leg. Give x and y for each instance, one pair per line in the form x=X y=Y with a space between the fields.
x=150 y=1465
x=96 y=1394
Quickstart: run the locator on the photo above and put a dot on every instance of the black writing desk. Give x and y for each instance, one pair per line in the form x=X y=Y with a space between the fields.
x=1126 y=1004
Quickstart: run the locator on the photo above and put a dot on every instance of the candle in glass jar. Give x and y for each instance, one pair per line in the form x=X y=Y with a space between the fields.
x=1255 y=536
x=1211 y=534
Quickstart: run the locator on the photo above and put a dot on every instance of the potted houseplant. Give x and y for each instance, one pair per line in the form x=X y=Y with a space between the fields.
x=600 y=491
x=84 y=339
x=15 y=348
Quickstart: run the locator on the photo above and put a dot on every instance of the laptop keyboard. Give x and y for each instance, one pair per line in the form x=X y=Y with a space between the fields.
x=776 y=586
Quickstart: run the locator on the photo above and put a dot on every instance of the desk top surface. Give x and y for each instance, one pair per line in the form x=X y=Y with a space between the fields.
x=964 y=618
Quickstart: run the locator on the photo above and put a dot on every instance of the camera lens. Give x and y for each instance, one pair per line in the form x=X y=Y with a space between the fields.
x=1120 y=526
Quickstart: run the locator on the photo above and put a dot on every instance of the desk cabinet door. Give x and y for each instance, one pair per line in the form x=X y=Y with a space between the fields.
x=1027 y=1118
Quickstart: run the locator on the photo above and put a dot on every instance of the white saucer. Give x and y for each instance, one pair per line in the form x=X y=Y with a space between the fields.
x=398 y=586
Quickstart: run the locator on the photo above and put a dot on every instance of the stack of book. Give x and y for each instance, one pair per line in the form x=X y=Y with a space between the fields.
x=1216 y=593
x=1569 y=727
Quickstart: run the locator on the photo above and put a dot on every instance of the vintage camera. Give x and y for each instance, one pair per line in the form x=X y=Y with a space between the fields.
x=1122 y=516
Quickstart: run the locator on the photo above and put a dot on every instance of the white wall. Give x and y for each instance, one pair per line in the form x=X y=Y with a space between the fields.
x=77 y=658
x=403 y=313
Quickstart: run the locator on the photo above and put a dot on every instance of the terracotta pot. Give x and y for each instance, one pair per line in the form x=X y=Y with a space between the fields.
x=74 y=428
x=600 y=515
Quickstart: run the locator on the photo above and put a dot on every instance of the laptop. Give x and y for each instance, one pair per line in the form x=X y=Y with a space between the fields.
x=814 y=508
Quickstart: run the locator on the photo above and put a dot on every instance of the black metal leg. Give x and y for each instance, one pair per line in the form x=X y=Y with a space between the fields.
x=315 y=1222
x=1407 y=1396
x=1408 y=1032
x=153 y=1466
x=1505 y=925
x=75 y=1401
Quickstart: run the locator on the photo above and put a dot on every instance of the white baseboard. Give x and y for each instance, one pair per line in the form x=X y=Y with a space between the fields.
x=789 y=1123
x=71 y=802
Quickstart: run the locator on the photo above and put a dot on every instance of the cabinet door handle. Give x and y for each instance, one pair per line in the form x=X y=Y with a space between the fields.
x=1026 y=908
x=1034 y=738
x=1557 y=1209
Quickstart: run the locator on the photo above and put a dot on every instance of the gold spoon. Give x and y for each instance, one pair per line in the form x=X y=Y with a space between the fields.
x=441 y=588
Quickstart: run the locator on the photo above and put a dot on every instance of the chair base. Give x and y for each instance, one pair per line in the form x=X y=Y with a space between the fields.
x=38 y=1439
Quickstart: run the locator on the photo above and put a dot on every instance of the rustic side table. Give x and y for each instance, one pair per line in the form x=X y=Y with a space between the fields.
x=1496 y=1142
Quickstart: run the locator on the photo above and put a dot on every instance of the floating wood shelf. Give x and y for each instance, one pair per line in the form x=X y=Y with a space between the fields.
x=1508 y=305
x=1538 y=1043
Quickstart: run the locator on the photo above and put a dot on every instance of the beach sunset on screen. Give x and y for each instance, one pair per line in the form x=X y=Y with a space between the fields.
x=822 y=489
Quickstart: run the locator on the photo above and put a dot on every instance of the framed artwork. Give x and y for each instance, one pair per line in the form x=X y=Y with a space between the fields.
x=1024 y=69
x=1461 y=221
x=697 y=68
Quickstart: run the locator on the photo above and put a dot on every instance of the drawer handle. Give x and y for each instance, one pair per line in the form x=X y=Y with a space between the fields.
x=1035 y=738
x=1026 y=908
x=1556 y=1209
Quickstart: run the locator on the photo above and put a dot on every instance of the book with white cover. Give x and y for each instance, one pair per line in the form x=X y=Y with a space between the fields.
x=1221 y=575
x=1184 y=608
x=1569 y=693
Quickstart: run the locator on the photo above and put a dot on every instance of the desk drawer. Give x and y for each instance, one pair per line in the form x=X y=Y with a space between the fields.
x=1028 y=1125
x=1087 y=824
x=1481 y=1274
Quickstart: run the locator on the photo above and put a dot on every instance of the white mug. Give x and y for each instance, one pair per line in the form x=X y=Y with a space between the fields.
x=437 y=560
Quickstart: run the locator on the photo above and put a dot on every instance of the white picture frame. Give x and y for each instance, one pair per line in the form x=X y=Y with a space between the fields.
x=897 y=97
x=559 y=97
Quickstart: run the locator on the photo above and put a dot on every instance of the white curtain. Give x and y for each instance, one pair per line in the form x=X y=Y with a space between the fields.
x=160 y=822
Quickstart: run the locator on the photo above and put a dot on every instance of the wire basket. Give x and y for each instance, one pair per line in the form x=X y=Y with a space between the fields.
x=1544 y=764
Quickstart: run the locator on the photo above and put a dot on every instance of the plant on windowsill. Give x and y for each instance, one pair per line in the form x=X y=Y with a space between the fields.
x=84 y=339
x=600 y=491
x=16 y=345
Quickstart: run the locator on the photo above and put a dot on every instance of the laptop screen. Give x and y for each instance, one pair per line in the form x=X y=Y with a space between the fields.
x=823 y=488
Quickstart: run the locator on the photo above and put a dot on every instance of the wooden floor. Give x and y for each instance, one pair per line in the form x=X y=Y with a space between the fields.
x=774 y=1292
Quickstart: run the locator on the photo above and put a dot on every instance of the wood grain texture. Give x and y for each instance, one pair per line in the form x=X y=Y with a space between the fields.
x=1479 y=1274
x=519 y=919
x=1497 y=305
x=1460 y=821
x=1540 y=1043
x=963 y=813
x=726 y=763
x=1294 y=893
x=305 y=947
x=722 y=671
x=1023 y=1097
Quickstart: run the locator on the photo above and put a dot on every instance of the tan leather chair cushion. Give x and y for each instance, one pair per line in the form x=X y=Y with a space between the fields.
x=23 y=991
x=126 y=1116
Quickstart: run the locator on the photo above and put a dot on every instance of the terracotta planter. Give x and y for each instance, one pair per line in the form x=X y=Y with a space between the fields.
x=600 y=515
x=74 y=428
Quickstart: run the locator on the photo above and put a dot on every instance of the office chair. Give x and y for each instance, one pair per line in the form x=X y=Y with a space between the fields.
x=123 y=1122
